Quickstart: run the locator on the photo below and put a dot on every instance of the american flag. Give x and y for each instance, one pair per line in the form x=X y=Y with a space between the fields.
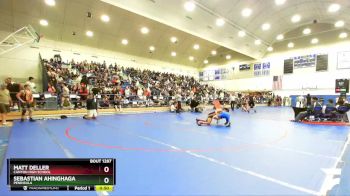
x=277 y=83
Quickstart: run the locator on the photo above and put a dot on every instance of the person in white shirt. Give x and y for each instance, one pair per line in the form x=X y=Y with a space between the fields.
x=222 y=95
x=300 y=101
x=179 y=99
x=31 y=84
x=127 y=92
x=172 y=108
x=140 y=93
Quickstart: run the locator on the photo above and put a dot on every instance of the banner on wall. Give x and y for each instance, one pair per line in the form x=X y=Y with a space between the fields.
x=304 y=61
x=262 y=69
x=343 y=60
x=266 y=69
x=244 y=67
x=216 y=74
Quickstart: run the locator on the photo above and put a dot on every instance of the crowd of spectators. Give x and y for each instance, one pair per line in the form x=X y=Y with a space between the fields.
x=70 y=83
x=125 y=85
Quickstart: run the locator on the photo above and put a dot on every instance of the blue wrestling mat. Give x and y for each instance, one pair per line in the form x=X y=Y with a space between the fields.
x=168 y=154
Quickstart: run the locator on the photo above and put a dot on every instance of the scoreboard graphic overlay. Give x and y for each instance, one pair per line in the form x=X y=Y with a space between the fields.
x=93 y=174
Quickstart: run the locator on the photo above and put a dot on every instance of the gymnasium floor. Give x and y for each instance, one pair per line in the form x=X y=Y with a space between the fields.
x=165 y=153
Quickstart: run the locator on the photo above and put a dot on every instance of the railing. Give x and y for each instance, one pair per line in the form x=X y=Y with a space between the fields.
x=45 y=78
x=47 y=101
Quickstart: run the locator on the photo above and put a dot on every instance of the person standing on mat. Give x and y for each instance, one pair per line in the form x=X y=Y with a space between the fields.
x=5 y=102
x=26 y=99
x=308 y=100
x=232 y=101
x=178 y=105
x=251 y=103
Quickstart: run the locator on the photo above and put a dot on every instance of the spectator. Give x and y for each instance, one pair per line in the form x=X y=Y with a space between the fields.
x=117 y=102
x=13 y=88
x=105 y=102
x=65 y=94
x=330 y=104
x=66 y=103
x=172 y=107
x=51 y=89
x=31 y=84
x=5 y=102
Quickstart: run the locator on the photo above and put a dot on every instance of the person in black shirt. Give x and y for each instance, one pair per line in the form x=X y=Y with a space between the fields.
x=91 y=106
x=13 y=88
x=96 y=90
x=251 y=103
x=308 y=100
x=194 y=106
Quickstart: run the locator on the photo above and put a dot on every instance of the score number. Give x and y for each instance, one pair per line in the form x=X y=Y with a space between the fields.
x=106 y=169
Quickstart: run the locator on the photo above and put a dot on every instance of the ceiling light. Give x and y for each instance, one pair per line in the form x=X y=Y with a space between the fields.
x=173 y=39
x=196 y=46
x=220 y=22
x=314 y=41
x=173 y=53
x=205 y=61
x=257 y=42
x=228 y=57
x=241 y=33
x=125 y=41
x=270 y=49
x=290 y=45
x=280 y=2
x=265 y=26
x=144 y=30
x=339 y=23
x=280 y=37
x=306 y=31
x=50 y=2
x=343 y=35
x=333 y=7
x=296 y=18
x=246 y=12
x=152 y=48
x=43 y=22
x=89 y=33
x=189 y=6
x=105 y=18
x=191 y=58
x=213 y=52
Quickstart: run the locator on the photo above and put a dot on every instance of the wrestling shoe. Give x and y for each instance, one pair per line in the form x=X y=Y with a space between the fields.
x=228 y=124
x=31 y=120
x=197 y=120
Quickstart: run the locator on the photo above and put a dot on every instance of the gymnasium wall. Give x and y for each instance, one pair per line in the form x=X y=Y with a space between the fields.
x=302 y=81
x=19 y=64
